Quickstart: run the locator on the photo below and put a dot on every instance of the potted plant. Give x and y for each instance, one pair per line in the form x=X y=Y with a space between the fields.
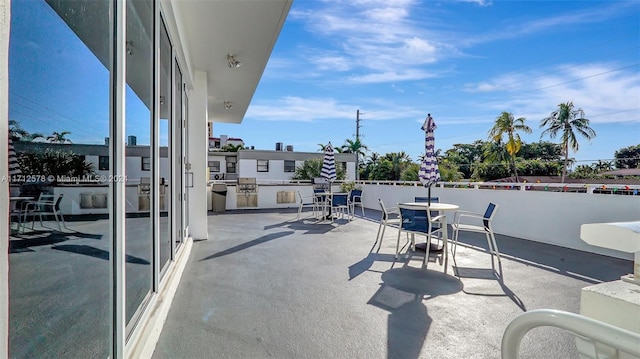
x=347 y=186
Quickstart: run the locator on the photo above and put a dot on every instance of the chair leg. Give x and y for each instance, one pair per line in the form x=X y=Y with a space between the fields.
x=55 y=215
x=426 y=251
x=492 y=239
x=64 y=224
x=384 y=226
x=299 y=211
x=398 y=245
x=455 y=242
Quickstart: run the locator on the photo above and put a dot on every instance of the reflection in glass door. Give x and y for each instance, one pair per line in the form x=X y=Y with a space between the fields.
x=165 y=147
x=59 y=80
x=139 y=102
x=178 y=155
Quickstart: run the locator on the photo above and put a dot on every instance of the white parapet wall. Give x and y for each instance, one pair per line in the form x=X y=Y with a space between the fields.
x=552 y=217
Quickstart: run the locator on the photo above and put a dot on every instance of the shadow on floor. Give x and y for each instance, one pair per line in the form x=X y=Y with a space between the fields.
x=96 y=253
x=548 y=257
x=401 y=294
x=255 y=242
x=24 y=242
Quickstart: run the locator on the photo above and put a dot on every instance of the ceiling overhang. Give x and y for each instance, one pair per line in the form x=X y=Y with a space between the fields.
x=246 y=29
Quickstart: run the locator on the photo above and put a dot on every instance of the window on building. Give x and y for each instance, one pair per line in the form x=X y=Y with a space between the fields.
x=146 y=164
x=214 y=166
x=103 y=163
x=289 y=166
x=263 y=165
x=231 y=167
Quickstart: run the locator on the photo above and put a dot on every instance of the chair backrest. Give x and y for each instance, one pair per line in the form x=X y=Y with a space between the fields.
x=408 y=219
x=57 y=204
x=488 y=214
x=428 y=200
x=354 y=192
x=339 y=199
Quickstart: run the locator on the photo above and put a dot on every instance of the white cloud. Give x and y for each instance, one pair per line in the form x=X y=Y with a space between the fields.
x=373 y=39
x=478 y=2
x=605 y=91
x=392 y=76
x=518 y=27
x=299 y=109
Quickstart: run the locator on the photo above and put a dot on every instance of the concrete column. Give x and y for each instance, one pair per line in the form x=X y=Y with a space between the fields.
x=5 y=16
x=198 y=147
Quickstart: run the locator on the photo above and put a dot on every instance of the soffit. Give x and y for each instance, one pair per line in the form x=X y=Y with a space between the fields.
x=247 y=29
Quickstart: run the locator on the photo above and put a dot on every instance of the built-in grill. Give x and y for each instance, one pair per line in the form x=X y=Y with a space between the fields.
x=247 y=192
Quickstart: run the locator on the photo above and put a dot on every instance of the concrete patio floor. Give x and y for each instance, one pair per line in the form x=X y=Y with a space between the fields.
x=265 y=285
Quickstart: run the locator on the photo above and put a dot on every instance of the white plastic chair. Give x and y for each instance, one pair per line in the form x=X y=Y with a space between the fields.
x=390 y=217
x=483 y=224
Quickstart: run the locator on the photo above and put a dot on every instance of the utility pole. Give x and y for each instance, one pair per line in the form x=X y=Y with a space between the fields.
x=357 y=140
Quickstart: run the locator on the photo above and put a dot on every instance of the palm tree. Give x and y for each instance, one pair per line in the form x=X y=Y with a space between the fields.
x=568 y=121
x=507 y=124
x=230 y=147
x=602 y=166
x=17 y=133
x=399 y=161
x=59 y=137
x=358 y=148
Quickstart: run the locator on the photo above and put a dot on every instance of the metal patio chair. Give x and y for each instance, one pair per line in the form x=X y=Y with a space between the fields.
x=45 y=207
x=482 y=223
x=355 y=199
x=412 y=224
x=310 y=202
x=390 y=218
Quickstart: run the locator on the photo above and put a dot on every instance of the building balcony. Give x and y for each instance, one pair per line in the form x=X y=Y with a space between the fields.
x=265 y=283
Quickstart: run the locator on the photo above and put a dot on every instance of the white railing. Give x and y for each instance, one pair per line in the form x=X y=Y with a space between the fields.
x=592 y=330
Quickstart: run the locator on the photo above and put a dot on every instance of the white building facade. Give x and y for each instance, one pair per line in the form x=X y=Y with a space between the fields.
x=269 y=166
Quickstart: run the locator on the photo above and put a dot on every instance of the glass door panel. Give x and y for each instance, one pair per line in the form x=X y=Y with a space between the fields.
x=165 y=143
x=139 y=102
x=59 y=116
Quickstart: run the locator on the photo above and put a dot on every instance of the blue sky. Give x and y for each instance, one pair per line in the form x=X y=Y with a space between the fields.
x=462 y=61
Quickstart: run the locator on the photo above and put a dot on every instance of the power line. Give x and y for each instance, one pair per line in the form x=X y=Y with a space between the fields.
x=582 y=78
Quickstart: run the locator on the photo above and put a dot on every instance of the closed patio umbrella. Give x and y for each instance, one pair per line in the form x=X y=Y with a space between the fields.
x=329 y=165
x=329 y=169
x=429 y=173
x=14 y=166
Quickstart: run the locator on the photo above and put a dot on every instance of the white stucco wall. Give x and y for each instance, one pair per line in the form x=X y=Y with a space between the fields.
x=197 y=148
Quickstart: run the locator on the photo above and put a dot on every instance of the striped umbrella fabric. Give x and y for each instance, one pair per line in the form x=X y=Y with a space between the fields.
x=429 y=173
x=329 y=164
x=14 y=166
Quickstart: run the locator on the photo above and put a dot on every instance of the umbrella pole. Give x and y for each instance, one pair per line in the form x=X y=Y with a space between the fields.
x=429 y=195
